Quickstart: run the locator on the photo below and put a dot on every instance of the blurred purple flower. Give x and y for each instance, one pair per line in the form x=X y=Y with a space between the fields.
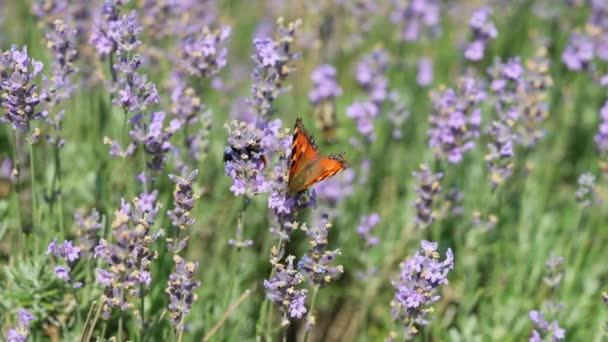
x=499 y=157
x=22 y=331
x=364 y=113
x=420 y=277
x=586 y=192
x=117 y=151
x=18 y=90
x=87 y=230
x=105 y=36
x=282 y=290
x=455 y=119
x=316 y=264
x=67 y=253
x=365 y=228
x=483 y=31
x=180 y=288
x=128 y=259
x=601 y=138
x=204 y=54
x=425 y=71
x=325 y=87
x=554 y=276
x=397 y=114
x=544 y=328
x=62 y=42
x=183 y=199
x=415 y=16
x=428 y=187
x=371 y=75
x=579 y=52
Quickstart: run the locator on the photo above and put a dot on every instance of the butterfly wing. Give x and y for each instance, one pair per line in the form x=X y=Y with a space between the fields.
x=318 y=170
x=303 y=149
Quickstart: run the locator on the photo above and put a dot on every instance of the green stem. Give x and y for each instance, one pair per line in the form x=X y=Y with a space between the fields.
x=57 y=191
x=34 y=198
x=144 y=166
x=124 y=129
x=142 y=313
x=17 y=172
x=311 y=311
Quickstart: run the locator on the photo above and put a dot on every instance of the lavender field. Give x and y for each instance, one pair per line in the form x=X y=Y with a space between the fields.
x=322 y=170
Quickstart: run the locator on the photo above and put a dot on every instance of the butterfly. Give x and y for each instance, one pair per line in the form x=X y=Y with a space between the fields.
x=307 y=166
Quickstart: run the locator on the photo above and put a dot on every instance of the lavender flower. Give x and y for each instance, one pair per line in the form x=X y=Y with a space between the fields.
x=499 y=157
x=579 y=53
x=415 y=17
x=282 y=290
x=553 y=267
x=245 y=159
x=22 y=331
x=62 y=42
x=429 y=186
x=365 y=228
x=155 y=138
x=601 y=138
x=180 y=288
x=87 y=230
x=183 y=199
x=371 y=75
x=325 y=87
x=483 y=31
x=455 y=119
x=105 y=35
x=18 y=90
x=204 y=54
x=416 y=288
x=69 y=255
x=128 y=259
x=425 y=71
x=316 y=264
x=273 y=59
x=117 y=151
x=186 y=104
x=544 y=328
x=397 y=114
x=586 y=192
x=364 y=113
x=47 y=9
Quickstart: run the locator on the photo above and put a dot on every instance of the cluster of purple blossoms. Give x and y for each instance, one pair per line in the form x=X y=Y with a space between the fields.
x=317 y=263
x=87 y=230
x=416 y=17
x=155 y=137
x=361 y=15
x=204 y=54
x=416 y=289
x=428 y=187
x=579 y=52
x=46 y=9
x=22 y=331
x=62 y=42
x=67 y=252
x=455 y=119
x=128 y=259
x=245 y=159
x=282 y=290
x=499 y=157
x=586 y=192
x=365 y=228
x=371 y=77
x=186 y=104
x=273 y=64
x=18 y=90
x=180 y=288
x=601 y=138
x=134 y=93
x=543 y=329
x=425 y=75
x=397 y=114
x=484 y=30
x=324 y=85
x=105 y=34
x=183 y=199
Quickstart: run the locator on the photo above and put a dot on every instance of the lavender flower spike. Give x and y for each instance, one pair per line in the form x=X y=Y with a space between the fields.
x=317 y=262
x=180 y=289
x=416 y=290
x=22 y=331
x=483 y=31
x=282 y=291
x=183 y=199
x=429 y=186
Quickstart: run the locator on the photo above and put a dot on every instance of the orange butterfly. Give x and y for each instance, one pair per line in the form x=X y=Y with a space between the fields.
x=307 y=166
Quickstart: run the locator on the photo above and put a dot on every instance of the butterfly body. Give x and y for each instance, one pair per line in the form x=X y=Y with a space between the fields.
x=307 y=166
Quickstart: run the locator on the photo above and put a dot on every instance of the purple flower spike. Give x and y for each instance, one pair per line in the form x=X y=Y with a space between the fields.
x=416 y=290
x=22 y=331
x=180 y=288
x=416 y=17
x=429 y=186
x=316 y=264
x=282 y=290
x=365 y=228
x=18 y=90
x=483 y=31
